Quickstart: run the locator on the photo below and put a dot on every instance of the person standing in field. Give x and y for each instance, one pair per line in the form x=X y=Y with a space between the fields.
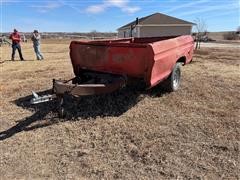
x=36 y=44
x=15 y=37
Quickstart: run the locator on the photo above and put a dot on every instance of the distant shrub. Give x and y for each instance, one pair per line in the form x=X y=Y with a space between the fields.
x=231 y=36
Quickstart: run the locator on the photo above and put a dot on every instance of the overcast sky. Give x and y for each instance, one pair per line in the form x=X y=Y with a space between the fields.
x=108 y=15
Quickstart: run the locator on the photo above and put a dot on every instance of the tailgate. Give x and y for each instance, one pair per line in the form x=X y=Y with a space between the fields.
x=119 y=58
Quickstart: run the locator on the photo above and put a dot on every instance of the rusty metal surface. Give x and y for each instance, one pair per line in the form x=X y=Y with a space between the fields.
x=62 y=87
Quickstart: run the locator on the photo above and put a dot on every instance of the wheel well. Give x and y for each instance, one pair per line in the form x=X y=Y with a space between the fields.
x=182 y=60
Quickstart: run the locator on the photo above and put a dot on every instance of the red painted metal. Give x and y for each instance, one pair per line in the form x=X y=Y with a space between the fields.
x=149 y=58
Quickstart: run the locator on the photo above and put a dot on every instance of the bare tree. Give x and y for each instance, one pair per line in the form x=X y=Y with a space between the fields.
x=201 y=31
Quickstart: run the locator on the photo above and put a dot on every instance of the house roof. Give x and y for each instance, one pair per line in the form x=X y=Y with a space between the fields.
x=159 y=19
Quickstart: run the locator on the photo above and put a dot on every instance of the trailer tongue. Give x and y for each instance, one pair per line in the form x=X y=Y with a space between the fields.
x=89 y=83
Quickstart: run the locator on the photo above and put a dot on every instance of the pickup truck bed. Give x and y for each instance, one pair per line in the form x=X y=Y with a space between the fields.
x=152 y=59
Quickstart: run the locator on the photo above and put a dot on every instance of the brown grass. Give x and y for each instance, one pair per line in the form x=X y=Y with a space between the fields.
x=193 y=133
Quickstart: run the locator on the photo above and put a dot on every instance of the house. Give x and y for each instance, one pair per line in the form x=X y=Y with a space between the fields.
x=155 y=25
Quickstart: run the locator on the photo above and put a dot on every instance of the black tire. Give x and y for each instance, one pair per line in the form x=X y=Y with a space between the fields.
x=172 y=83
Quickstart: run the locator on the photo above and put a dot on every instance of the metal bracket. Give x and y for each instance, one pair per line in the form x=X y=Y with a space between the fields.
x=40 y=99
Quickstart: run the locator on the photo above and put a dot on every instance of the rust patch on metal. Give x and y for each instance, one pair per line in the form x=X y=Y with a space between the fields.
x=121 y=57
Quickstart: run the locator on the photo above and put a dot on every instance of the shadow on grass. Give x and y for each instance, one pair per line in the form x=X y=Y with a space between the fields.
x=85 y=107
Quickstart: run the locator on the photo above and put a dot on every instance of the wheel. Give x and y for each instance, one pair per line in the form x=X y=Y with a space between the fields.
x=173 y=81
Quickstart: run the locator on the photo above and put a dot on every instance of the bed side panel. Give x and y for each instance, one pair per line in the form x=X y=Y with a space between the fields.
x=166 y=54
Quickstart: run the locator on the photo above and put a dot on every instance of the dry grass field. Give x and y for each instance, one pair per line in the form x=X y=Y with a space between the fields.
x=193 y=133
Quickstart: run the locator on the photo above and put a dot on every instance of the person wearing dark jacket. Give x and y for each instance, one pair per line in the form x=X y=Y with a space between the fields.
x=15 y=37
x=36 y=44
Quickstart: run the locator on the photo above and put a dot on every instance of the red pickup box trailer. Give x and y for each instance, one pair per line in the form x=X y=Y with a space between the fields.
x=152 y=59
x=107 y=65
